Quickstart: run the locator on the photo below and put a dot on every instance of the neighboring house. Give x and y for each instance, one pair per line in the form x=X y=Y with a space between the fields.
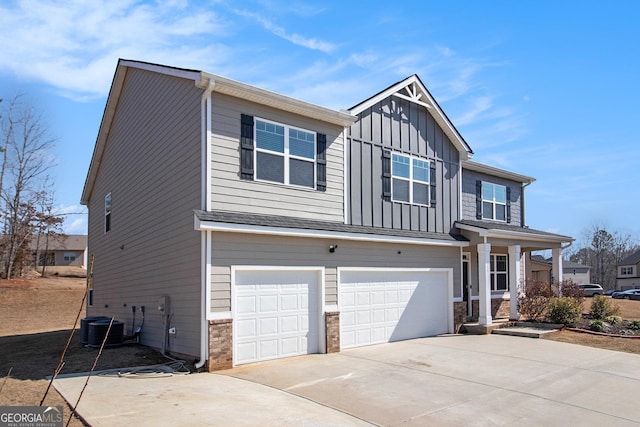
x=63 y=250
x=540 y=269
x=255 y=226
x=629 y=272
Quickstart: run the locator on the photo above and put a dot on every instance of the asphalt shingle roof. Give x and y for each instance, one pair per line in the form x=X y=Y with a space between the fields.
x=307 y=224
x=632 y=259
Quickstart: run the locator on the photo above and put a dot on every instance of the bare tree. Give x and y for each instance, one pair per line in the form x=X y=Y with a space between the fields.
x=25 y=163
x=603 y=251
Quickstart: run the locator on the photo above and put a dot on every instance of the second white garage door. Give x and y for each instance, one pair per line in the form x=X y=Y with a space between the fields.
x=276 y=314
x=379 y=306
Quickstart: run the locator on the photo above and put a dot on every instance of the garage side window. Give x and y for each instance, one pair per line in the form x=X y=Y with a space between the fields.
x=499 y=273
x=107 y=213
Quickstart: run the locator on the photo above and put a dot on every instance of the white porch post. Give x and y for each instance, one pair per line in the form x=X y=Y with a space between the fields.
x=484 y=283
x=514 y=281
x=556 y=264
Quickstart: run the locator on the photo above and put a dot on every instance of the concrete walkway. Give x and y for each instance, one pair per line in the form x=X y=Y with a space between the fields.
x=453 y=380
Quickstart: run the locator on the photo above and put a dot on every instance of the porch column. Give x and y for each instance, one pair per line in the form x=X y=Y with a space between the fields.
x=514 y=281
x=556 y=264
x=484 y=283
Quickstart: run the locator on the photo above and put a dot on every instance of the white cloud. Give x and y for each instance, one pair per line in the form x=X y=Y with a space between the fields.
x=308 y=42
x=74 y=45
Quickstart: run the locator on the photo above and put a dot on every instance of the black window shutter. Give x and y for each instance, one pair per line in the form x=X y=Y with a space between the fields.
x=321 y=162
x=386 y=175
x=432 y=182
x=246 y=147
x=478 y=199
x=508 y=204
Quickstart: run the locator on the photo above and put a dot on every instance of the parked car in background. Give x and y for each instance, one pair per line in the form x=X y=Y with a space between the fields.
x=628 y=294
x=610 y=292
x=591 y=289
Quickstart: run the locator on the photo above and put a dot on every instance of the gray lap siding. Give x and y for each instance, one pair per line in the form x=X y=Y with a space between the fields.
x=151 y=167
x=236 y=249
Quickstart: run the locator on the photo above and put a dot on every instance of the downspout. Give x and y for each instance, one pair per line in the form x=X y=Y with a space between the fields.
x=205 y=118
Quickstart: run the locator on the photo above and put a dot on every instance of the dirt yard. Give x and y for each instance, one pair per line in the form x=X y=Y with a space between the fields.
x=36 y=318
x=629 y=310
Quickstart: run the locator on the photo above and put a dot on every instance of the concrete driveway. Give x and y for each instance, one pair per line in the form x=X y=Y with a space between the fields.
x=449 y=380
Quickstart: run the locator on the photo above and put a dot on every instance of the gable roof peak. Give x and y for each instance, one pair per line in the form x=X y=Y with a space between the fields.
x=413 y=90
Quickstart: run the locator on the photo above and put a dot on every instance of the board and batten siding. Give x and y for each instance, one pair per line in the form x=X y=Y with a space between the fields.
x=400 y=126
x=230 y=193
x=151 y=167
x=229 y=249
x=469 y=179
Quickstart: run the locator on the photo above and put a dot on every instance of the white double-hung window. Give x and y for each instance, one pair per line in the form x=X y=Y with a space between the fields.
x=410 y=180
x=499 y=273
x=494 y=201
x=285 y=154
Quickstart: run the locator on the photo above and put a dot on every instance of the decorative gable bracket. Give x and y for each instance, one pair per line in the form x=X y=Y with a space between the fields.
x=414 y=94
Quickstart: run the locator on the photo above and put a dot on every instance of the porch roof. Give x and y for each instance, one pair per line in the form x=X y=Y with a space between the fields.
x=526 y=237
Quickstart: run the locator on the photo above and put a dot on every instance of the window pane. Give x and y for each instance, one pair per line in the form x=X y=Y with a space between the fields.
x=302 y=144
x=269 y=136
x=301 y=173
x=401 y=166
x=400 y=190
x=501 y=263
x=500 y=192
x=420 y=170
x=501 y=212
x=487 y=210
x=270 y=167
x=487 y=191
x=420 y=193
x=501 y=282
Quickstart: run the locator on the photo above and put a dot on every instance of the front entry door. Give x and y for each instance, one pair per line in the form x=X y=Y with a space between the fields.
x=466 y=286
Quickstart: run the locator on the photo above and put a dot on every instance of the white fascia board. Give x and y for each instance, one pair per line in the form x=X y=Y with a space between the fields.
x=320 y=234
x=507 y=234
x=491 y=170
x=281 y=102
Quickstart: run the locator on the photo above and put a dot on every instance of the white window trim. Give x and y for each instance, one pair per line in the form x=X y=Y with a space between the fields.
x=411 y=179
x=494 y=202
x=286 y=155
x=629 y=273
x=494 y=272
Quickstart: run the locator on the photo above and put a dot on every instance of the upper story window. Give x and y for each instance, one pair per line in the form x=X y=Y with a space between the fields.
x=276 y=152
x=410 y=180
x=69 y=256
x=107 y=213
x=626 y=271
x=499 y=273
x=494 y=201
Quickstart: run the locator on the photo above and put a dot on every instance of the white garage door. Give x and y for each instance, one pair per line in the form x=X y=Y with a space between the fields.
x=276 y=314
x=379 y=306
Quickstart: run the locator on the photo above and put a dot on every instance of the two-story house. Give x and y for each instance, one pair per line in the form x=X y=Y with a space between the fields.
x=252 y=226
x=629 y=272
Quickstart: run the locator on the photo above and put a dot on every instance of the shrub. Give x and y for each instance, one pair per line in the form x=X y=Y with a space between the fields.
x=602 y=307
x=613 y=320
x=564 y=310
x=535 y=299
x=597 y=325
x=634 y=324
x=571 y=290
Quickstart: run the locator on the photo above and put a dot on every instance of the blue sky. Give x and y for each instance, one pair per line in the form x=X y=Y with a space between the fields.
x=544 y=88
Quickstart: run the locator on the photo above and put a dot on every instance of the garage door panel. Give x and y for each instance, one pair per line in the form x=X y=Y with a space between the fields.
x=392 y=305
x=276 y=314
